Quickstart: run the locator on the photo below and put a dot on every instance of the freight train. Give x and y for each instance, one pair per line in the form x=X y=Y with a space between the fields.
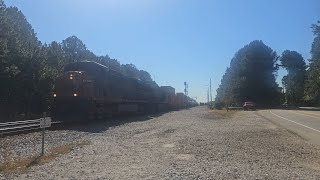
x=89 y=90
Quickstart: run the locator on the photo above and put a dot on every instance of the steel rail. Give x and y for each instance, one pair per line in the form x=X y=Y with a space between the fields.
x=21 y=126
x=19 y=122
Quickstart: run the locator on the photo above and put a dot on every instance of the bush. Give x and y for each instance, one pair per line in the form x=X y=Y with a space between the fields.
x=218 y=105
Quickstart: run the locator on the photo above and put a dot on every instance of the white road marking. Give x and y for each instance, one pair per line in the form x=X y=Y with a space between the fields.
x=294 y=122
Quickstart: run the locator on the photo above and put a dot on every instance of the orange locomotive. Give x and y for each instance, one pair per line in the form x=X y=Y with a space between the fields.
x=89 y=90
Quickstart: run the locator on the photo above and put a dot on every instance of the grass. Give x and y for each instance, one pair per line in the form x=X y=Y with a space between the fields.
x=23 y=165
x=220 y=114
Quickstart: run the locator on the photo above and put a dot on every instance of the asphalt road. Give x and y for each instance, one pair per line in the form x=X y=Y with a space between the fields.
x=303 y=123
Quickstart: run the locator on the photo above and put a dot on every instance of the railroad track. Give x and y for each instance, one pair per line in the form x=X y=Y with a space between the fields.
x=20 y=126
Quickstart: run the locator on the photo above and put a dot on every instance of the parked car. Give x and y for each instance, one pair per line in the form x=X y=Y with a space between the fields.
x=249 y=106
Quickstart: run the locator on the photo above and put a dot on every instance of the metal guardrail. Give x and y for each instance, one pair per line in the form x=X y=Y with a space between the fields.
x=235 y=108
x=20 y=126
x=310 y=108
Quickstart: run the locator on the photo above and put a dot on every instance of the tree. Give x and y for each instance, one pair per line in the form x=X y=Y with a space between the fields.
x=3 y=31
x=111 y=63
x=75 y=50
x=145 y=76
x=28 y=68
x=21 y=61
x=55 y=58
x=295 y=80
x=130 y=70
x=251 y=77
x=312 y=93
x=223 y=92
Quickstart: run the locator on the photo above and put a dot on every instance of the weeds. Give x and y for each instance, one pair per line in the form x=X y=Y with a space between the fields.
x=19 y=166
x=220 y=114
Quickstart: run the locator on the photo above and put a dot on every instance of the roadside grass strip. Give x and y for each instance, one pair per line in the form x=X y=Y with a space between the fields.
x=220 y=114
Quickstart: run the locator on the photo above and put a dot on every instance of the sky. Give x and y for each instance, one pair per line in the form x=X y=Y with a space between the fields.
x=176 y=40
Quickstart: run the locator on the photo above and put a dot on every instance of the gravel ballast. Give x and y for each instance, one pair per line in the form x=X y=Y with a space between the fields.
x=187 y=144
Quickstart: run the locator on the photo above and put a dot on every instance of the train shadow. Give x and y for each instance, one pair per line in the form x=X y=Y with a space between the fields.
x=98 y=126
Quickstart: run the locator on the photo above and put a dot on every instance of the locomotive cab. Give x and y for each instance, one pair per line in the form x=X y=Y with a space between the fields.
x=74 y=84
x=72 y=94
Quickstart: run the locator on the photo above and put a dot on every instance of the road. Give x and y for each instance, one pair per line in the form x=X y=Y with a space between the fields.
x=304 y=123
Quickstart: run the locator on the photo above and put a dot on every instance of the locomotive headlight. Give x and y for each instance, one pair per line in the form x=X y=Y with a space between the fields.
x=54 y=95
x=75 y=94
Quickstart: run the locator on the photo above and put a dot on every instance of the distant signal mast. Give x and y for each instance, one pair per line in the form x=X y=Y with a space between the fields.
x=186 y=87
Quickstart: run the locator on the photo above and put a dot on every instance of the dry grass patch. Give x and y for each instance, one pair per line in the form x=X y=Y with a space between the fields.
x=220 y=114
x=20 y=166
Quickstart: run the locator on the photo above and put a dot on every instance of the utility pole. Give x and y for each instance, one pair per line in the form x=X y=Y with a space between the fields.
x=210 y=95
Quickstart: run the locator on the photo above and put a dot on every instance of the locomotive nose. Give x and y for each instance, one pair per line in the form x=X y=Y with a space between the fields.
x=72 y=84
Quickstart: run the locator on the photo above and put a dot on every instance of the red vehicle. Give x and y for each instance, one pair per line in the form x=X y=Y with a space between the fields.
x=249 y=106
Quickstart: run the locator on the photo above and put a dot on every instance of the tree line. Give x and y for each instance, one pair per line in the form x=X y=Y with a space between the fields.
x=252 y=76
x=28 y=68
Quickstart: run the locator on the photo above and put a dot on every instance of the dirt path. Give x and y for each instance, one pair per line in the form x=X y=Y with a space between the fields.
x=189 y=144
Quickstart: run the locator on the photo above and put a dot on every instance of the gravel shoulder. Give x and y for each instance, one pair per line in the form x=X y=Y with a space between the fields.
x=187 y=144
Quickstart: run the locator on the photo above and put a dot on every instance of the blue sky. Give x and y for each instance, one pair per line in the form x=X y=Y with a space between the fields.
x=176 y=40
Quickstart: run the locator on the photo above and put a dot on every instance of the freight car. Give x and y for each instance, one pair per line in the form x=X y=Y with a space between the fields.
x=170 y=94
x=89 y=90
x=181 y=101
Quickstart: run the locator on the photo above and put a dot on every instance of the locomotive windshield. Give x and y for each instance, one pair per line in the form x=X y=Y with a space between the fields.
x=72 y=83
